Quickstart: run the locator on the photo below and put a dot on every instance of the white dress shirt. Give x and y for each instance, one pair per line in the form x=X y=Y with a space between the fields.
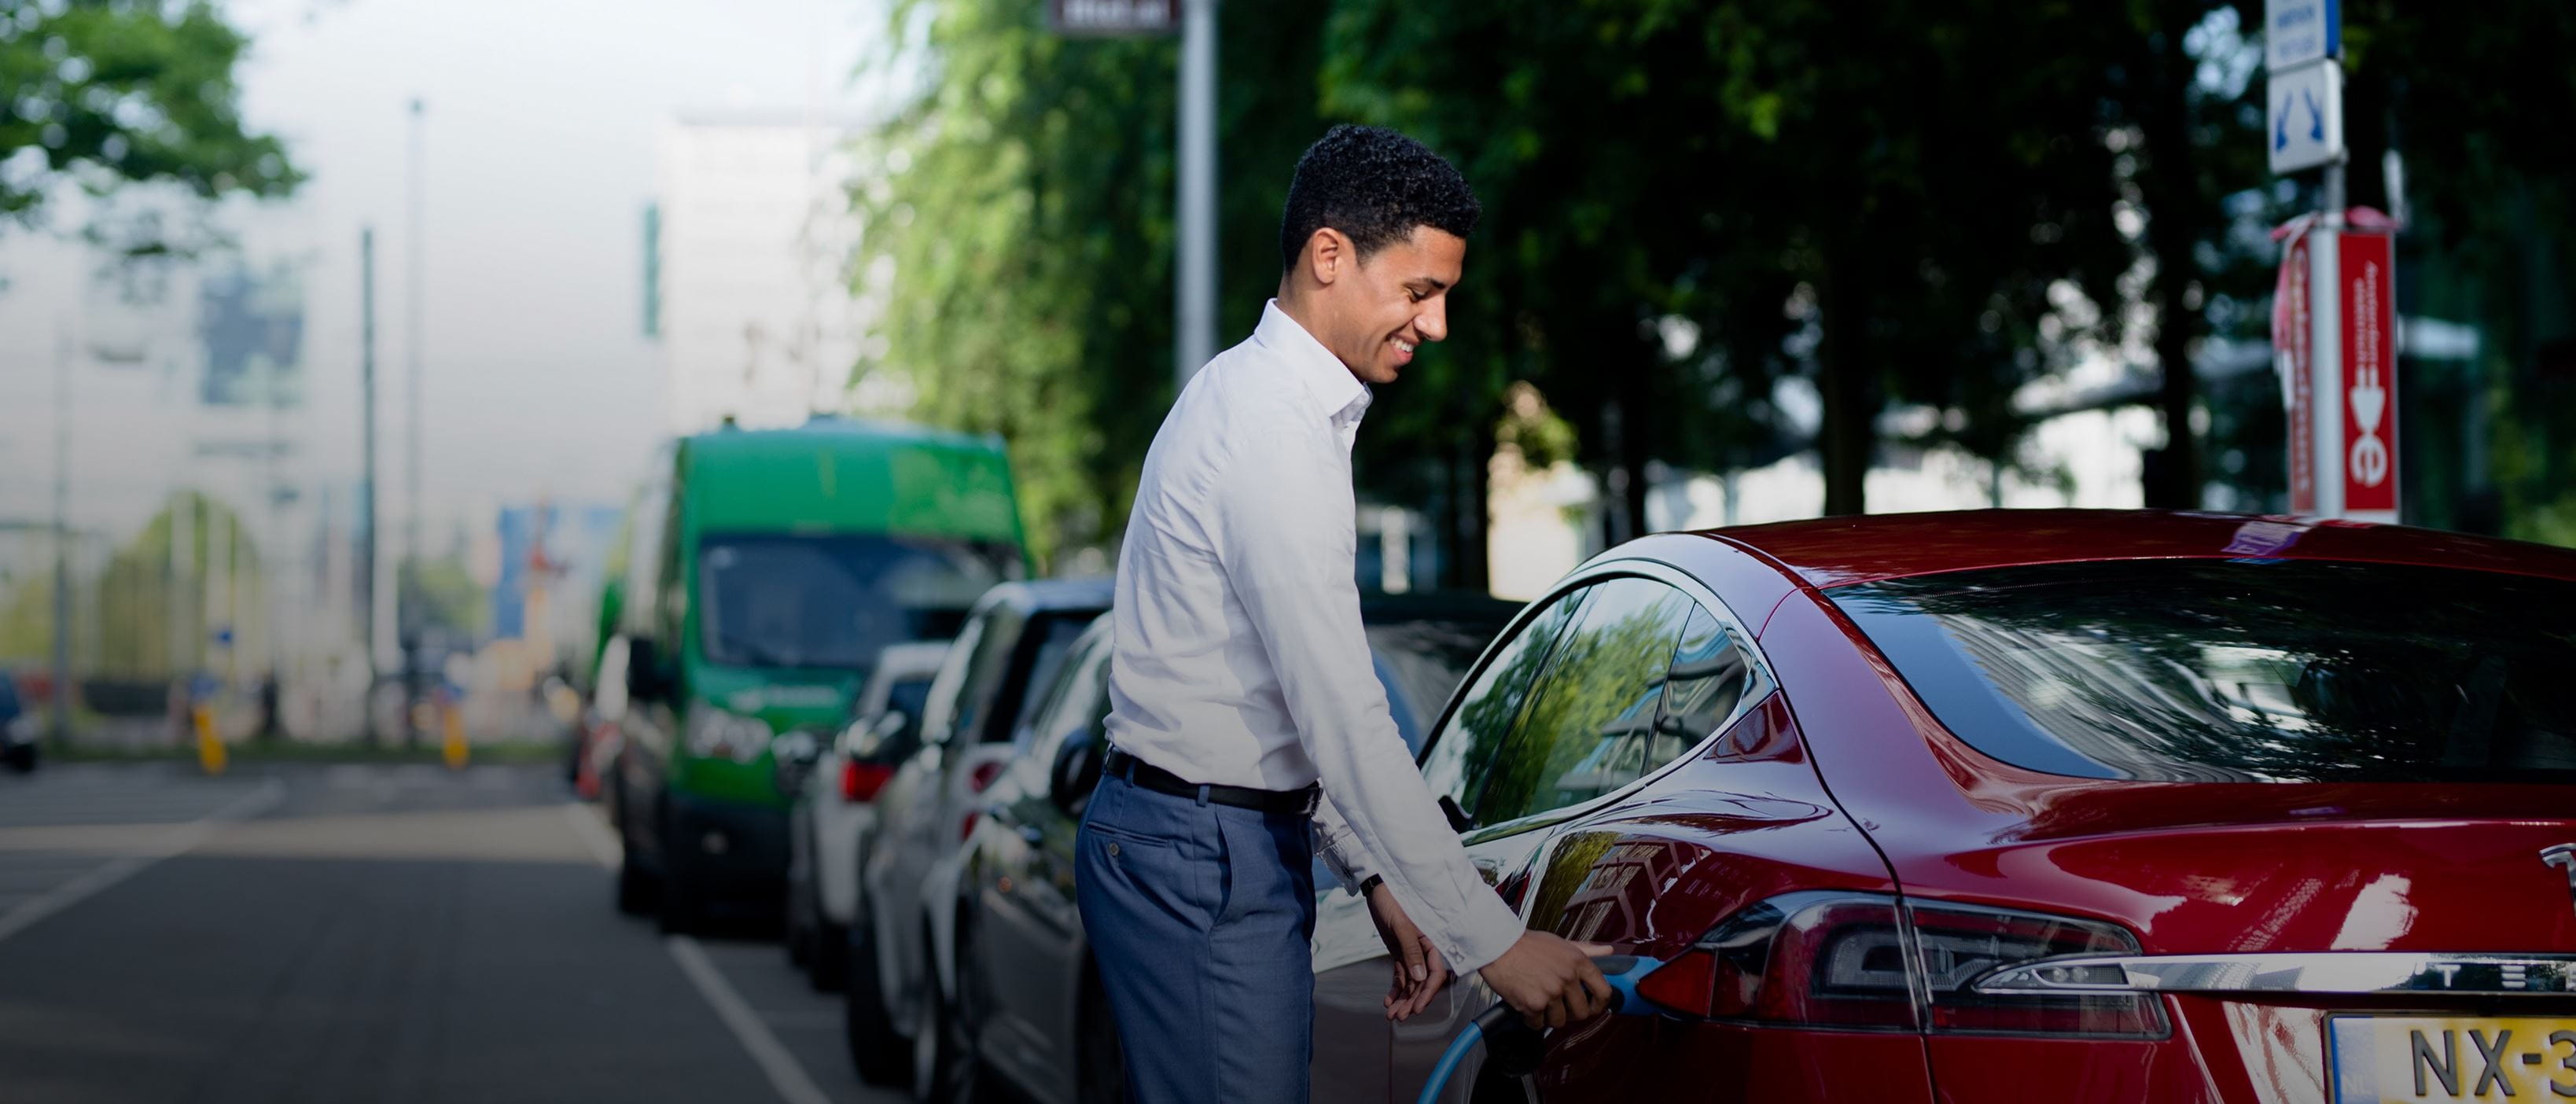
x=1239 y=656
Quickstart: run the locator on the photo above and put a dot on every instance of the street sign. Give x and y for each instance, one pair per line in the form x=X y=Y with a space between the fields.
x=2334 y=333
x=2365 y=293
x=1114 y=17
x=2296 y=32
x=2303 y=116
x=2292 y=352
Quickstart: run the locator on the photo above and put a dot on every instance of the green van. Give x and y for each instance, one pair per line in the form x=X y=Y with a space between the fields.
x=765 y=571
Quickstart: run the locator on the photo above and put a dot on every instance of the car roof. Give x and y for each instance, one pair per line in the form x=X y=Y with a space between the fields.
x=1050 y=595
x=913 y=658
x=1838 y=551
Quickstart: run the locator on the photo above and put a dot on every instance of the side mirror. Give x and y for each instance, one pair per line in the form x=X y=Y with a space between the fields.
x=871 y=741
x=645 y=679
x=1076 y=771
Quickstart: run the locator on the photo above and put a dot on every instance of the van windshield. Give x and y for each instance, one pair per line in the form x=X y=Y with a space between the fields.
x=835 y=601
x=2240 y=670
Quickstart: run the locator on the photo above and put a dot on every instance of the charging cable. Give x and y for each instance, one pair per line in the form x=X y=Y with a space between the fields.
x=1623 y=972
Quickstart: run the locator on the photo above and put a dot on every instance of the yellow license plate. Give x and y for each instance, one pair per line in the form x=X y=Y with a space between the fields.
x=2389 y=1059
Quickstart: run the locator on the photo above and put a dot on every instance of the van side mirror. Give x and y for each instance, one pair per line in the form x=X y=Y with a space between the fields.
x=1076 y=771
x=646 y=677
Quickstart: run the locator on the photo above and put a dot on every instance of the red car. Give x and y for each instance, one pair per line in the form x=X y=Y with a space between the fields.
x=2016 y=806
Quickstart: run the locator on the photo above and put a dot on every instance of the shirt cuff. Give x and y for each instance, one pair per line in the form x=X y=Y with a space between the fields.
x=1473 y=941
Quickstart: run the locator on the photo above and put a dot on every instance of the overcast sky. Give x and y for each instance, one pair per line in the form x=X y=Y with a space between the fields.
x=539 y=135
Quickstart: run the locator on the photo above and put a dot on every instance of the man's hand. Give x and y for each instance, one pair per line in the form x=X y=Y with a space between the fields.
x=1419 y=969
x=1551 y=982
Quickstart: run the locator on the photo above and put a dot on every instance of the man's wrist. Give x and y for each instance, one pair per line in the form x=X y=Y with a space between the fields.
x=1369 y=884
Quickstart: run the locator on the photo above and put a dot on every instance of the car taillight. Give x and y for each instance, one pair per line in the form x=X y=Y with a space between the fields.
x=983 y=776
x=861 y=781
x=966 y=826
x=1871 y=961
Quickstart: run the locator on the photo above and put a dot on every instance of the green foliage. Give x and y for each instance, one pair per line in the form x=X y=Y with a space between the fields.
x=452 y=604
x=1025 y=218
x=104 y=93
x=138 y=592
x=1689 y=201
x=1910 y=183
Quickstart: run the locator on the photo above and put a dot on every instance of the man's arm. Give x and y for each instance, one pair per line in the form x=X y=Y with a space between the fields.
x=1285 y=538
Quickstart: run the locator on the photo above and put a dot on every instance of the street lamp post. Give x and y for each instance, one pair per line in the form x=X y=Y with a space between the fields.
x=1194 y=337
x=408 y=614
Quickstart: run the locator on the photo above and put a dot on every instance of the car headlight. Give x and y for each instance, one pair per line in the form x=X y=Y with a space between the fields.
x=715 y=733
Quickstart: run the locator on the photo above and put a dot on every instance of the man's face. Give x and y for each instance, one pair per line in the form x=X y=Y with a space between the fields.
x=1388 y=305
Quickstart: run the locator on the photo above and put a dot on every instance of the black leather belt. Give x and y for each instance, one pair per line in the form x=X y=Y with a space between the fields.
x=1119 y=764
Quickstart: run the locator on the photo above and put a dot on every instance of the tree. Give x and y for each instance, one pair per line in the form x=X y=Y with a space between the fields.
x=1023 y=226
x=1676 y=188
x=100 y=94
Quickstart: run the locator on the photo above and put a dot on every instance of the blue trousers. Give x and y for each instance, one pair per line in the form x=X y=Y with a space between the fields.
x=1200 y=916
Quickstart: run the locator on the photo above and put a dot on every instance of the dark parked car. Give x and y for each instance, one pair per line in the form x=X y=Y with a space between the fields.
x=1013 y=640
x=1029 y=1009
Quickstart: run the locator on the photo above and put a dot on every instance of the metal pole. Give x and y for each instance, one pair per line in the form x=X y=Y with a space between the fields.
x=2333 y=200
x=62 y=719
x=407 y=616
x=1194 y=335
x=366 y=524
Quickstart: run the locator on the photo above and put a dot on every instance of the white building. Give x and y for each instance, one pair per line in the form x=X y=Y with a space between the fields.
x=749 y=245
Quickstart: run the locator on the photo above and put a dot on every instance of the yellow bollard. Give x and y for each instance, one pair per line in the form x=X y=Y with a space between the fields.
x=452 y=743
x=210 y=747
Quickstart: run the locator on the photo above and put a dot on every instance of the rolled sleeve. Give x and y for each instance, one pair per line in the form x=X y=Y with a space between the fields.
x=1285 y=540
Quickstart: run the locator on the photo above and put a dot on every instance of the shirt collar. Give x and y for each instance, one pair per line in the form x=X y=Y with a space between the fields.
x=1339 y=396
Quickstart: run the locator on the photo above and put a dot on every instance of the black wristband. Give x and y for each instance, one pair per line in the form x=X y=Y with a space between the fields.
x=1372 y=882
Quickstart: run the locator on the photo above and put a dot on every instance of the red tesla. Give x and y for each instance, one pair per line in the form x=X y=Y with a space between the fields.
x=2018 y=806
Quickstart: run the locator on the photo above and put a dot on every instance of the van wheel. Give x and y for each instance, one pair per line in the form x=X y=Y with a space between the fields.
x=21 y=758
x=876 y=1049
x=679 y=899
x=637 y=891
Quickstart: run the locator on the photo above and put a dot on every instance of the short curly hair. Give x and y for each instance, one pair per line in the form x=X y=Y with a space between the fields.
x=1374 y=185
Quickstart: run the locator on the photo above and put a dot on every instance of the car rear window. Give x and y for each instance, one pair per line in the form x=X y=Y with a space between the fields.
x=2241 y=670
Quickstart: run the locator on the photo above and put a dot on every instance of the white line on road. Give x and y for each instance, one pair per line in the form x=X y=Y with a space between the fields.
x=788 y=1076
x=185 y=838
x=785 y=1074
x=586 y=824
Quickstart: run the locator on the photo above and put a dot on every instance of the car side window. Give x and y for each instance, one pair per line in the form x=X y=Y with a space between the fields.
x=1586 y=730
x=989 y=664
x=939 y=711
x=1473 y=734
x=1066 y=699
x=1710 y=676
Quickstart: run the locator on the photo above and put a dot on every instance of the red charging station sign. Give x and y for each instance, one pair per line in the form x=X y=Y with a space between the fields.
x=2293 y=344
x=2365 y=296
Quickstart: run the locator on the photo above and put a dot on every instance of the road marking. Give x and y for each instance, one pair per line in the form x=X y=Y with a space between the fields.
x=180 y=841
x=594 y=836
x=785 y=1074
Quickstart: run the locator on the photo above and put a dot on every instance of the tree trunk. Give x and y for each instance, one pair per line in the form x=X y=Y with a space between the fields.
x=1467 y=521
x=1636 y=437
x=1849 y=430
x=2173 y=227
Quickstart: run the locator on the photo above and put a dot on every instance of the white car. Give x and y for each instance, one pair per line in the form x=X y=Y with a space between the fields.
x=901 y=961
x=836 y=807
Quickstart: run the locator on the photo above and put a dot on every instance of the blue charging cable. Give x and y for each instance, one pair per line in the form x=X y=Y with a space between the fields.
x=1623 y=972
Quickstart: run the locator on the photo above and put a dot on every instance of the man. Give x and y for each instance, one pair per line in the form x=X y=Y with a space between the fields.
x=1241 y=679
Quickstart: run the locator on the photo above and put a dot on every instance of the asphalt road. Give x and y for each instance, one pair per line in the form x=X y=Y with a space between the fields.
x=366 y=933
